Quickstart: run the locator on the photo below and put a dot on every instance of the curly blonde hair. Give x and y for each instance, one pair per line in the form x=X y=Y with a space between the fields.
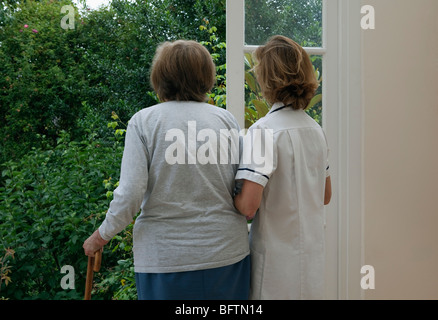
x=285 y=73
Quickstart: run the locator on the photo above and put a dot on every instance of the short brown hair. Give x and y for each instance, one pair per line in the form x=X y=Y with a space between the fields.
x=182 y=70
x=285 y=73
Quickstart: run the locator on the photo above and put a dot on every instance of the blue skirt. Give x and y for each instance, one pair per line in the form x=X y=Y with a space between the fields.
x=225 y=283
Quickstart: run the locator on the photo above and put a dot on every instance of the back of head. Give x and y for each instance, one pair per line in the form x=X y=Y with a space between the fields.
x=182 y=70
x=285 y=73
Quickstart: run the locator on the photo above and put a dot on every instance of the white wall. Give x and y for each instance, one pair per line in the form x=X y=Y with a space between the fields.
x=400 y=101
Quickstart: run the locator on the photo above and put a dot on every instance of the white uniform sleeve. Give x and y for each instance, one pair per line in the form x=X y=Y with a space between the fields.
x=259 y=156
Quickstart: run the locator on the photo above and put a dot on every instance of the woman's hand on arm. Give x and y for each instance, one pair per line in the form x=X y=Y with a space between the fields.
x=249 y=199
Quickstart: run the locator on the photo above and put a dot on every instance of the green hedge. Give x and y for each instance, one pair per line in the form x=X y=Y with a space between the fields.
x=48 y=73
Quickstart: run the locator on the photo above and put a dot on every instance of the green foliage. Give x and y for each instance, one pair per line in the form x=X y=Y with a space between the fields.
x=217 y=49
x=57 y=80
x=120 y=280
x=297 y=19
x=50 y=203
x=5 y=269
x=40 y=81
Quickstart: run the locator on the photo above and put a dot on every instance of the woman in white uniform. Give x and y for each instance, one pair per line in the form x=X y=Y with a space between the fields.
x=287 y=192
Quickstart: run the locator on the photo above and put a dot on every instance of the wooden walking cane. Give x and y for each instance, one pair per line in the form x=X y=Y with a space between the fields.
x=93 y=266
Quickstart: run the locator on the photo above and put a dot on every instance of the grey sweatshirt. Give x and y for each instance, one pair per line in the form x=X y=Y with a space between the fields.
x=178 y=170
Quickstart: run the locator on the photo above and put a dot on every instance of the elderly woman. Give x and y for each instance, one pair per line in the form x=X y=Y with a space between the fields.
x=189 y=240
x=289 y=191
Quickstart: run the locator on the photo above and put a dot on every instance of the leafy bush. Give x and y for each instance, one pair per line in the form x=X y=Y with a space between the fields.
x=48 y=73
x=41 y=81
x=51 y=202
x=297 y=19
x=5 y=269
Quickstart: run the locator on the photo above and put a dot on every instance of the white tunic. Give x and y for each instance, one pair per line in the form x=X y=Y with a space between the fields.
x=287 y=234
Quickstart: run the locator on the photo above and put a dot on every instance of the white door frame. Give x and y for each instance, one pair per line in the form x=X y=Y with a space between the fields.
x=342 y=122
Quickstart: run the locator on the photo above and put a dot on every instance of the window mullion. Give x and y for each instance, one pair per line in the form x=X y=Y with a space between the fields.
x=235 y=66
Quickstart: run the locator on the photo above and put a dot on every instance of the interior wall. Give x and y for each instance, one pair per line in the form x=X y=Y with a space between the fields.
x=400 y=101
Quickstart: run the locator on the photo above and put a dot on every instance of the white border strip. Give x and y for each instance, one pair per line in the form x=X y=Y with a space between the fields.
x=318 y=51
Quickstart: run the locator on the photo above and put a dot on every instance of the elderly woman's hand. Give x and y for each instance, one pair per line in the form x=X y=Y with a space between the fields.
x=93 y=243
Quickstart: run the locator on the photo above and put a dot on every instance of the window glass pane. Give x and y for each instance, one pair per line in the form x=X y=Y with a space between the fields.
x=255 y=105
x=315 y=108
x=300 y=20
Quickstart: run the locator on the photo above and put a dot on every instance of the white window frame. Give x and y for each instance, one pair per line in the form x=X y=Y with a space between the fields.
x=342 y=122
